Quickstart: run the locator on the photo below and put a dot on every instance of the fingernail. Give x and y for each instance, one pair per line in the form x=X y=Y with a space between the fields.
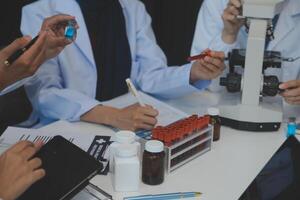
x=281 y=86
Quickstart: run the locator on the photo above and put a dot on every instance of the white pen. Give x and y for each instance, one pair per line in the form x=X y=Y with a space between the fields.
x=134 y=92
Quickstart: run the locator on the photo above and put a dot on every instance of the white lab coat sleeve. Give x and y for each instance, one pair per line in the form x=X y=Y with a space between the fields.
x=208 y=33
x=46 y=89
x=49 y=97
x=154 y=76
x=14 y=86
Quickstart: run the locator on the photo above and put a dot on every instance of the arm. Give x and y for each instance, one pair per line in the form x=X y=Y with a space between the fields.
x=209 y=28
x=156 y=77
x=49 y=44
x=47 y=90
x=53 y=99
x=208 y=33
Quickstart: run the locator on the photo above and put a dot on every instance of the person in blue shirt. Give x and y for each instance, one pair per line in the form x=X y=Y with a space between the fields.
x=115 y=42
x=218 y=28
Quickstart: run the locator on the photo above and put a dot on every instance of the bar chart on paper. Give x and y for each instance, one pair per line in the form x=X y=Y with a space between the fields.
x=13 y=135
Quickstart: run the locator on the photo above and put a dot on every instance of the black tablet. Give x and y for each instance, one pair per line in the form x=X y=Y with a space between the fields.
x=280 y=178
x=68 y=171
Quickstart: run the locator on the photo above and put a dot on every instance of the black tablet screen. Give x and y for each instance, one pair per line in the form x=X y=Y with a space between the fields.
x=67 y=167
x=280 y=178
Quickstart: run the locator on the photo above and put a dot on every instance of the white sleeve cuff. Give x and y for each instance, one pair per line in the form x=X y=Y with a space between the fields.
x=219 y=45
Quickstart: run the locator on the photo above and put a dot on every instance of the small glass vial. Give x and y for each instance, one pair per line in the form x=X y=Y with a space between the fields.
x=127 y=169
x=215 y=121
x=291 y=127
x=70 y=30
x=122 y=137
x=153 y=166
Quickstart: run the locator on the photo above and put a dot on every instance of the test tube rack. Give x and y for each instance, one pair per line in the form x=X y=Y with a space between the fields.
x=184 y=140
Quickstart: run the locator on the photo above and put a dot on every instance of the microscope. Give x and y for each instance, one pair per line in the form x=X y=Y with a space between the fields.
x=251 y=114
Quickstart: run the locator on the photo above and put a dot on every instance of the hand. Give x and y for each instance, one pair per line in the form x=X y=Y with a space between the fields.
x=291 y=92
x=26 y=65
x=208 y=68
x=49 y=44
x=136 y=117
x=131 y=118
x=18 y=170
x=232 y=24
x=56 y=40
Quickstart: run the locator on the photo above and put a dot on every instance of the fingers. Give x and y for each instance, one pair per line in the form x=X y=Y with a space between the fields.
x=293 y=100
x=213 y=65
x=291 y=93
x=149 y=111
x=38 y=145
x=35 y=163
x=28 y=152
x=290 y=84
x=16 y=45
x=59 y=42
x=20 y=146
x=235 y=3
x=144 y=118
x=50 y=22
x=148 y=120
x=231 y=13
x=218 y=54
x=31 y=54
x=145 y=127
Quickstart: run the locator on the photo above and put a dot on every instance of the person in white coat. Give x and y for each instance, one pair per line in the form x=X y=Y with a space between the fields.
x=115 y=42
x=219 y=29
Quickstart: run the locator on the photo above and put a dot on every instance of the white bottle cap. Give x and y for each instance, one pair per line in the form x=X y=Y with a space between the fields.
x=125 y=137
x=154 y=146
x=126 y=151
x=213 y=111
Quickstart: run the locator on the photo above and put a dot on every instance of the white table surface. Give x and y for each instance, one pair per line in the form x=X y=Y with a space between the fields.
x=221 y=174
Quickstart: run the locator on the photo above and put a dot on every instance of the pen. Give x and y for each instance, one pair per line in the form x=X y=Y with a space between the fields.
x=179 y=195
x=200 y=56
x=134 y=92
x=20 y=52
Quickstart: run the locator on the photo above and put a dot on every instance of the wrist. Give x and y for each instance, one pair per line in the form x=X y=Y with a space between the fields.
x=101 y=115
x=229 y=38
x=194 y=76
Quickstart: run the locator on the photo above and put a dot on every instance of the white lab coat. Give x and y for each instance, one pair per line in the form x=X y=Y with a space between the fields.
x=65 y=87
x=287 y=34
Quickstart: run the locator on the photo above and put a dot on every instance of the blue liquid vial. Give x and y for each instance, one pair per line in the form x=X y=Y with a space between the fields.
x=70 y=30
x=291 y=127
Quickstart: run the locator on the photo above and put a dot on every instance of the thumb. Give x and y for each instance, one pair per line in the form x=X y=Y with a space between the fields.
x=16 y=45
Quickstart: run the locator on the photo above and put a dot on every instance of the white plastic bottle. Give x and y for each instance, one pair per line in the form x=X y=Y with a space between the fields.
x=122 y=137
x=126 y=177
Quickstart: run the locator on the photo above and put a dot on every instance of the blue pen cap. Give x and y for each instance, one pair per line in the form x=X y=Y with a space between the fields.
x=70 y=30
x=291 y=127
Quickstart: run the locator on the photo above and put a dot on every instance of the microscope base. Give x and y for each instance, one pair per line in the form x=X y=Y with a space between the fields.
x=251 y=118
x=250 y=126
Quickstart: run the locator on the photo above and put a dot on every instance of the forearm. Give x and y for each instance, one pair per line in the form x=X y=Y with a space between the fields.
x=101 y=115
